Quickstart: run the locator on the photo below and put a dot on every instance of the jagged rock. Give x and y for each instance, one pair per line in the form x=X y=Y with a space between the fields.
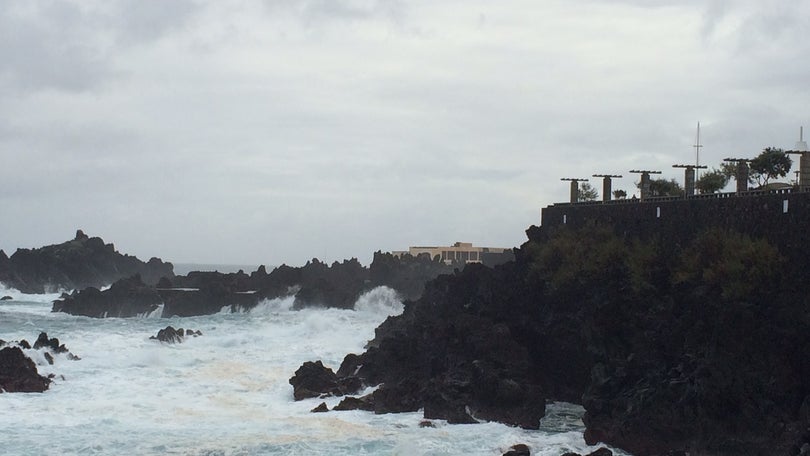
x=356 y=403
x=24 y=344
x=321 y=408
x=204 y=301
x=518 y=450
x=53 y=344
x=128 y=297
x=49 y=358
x=313 y=379
x=426 y=424
x=19 y=374
x=171 y=335
x=6 y=298
x=77 y=264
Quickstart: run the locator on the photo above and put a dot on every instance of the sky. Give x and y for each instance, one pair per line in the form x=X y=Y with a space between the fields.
x=275 y=131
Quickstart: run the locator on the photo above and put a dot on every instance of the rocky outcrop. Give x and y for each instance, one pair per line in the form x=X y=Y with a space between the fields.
x=128 y=297
x=407 y=274
x=315 y=284
x=18 y=374
x=53 y=344
x=77 y=264
x=698 y=347
x=518 y=450
x=447 y=355
x=170 y=335
x=313 y=379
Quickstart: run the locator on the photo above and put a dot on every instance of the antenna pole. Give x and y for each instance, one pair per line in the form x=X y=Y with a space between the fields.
x=697 y=147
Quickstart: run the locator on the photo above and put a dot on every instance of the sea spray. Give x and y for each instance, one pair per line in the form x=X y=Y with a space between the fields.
x=226 y=392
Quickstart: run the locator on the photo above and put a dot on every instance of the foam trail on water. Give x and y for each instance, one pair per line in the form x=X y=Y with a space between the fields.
x=227 y=392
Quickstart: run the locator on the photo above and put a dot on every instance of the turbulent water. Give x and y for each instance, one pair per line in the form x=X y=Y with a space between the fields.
x=226 y=392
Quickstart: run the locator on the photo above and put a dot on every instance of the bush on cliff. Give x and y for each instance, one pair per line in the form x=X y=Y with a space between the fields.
x=698 y=345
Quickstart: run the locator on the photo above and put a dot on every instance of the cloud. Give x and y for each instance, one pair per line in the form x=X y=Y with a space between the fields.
x=266 y=132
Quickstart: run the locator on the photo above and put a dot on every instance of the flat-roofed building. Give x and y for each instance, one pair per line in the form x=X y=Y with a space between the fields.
x=462 y=252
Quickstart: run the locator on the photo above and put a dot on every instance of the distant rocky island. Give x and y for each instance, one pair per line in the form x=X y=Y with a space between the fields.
x=76 y=264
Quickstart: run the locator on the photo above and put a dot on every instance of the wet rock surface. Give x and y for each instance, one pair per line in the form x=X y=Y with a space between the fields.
x=313 y=379
x=170 y=335
x=128 y=297
x=18 y=374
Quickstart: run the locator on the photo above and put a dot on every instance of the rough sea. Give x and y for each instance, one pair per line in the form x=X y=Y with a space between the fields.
x=225 y=392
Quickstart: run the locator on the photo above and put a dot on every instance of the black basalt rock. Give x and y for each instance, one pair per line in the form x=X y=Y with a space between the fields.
x=53 y=344
x=519 y=450
x=313 y=379
x=6 y=298
x=76 y=264
x=170 y=335
x=128 y=297
x=18 y=374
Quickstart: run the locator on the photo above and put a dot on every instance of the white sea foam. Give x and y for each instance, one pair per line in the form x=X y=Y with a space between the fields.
x=382 y=301
x=226 y=392
x=17 y=295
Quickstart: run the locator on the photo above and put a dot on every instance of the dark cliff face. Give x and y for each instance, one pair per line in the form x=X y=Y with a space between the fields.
x=315 y=284
x=684 y=338
x=80 y=263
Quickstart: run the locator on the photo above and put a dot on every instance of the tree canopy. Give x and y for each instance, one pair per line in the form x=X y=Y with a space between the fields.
x=712 y=181
x=771 y=163
x=664 y=187
x=587 y=193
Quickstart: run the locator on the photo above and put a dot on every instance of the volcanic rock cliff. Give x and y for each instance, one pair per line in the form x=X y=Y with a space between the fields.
x=338 y=285
x=694 y=343
x=80 y=263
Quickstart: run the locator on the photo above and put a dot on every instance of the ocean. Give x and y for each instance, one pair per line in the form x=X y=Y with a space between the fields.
x=225 y=392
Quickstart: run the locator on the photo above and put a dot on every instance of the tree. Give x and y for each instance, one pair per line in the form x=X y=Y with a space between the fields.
x=712 y=181
x=586 y=192
x=619 y=194
x=731 y=171
x=664 y=187
x=771 y=163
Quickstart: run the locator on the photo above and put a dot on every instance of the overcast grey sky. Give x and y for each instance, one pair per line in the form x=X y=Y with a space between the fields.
x=280 y=130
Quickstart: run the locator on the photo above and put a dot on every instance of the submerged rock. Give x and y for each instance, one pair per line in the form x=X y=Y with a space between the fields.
x=356 y=403
x=321 y=408
x=18 y=374
x=6 y=298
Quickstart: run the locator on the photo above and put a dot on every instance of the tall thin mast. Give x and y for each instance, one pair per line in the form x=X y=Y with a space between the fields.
x=697 y=147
